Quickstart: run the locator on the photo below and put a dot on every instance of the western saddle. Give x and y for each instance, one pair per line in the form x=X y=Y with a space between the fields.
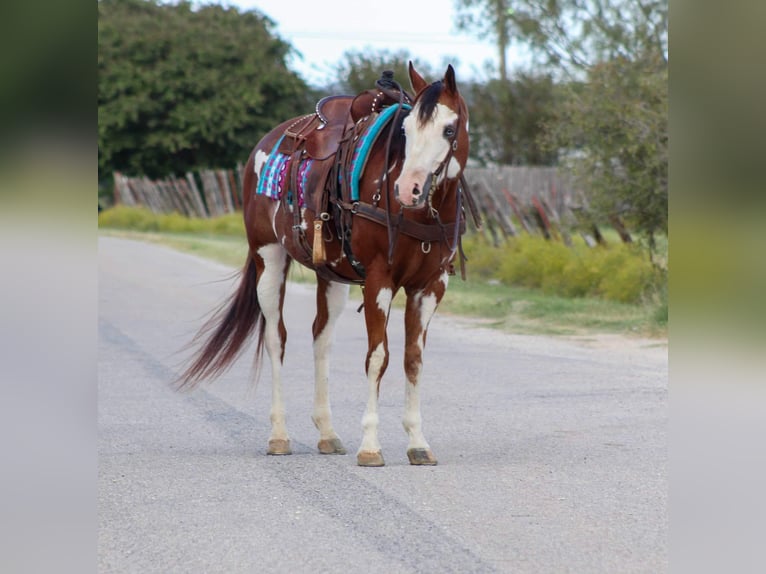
x=320 y=137
x=327 y=137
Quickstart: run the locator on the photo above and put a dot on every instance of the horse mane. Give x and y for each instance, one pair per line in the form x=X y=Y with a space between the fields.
x=395 y=132
x=428 y=99
x=397 y=140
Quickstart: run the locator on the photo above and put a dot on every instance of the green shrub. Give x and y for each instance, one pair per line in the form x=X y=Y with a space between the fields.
x=619 y=273
x=177 y=223
x=124 y=217
x=627 y=276
x=523 y=263
x=231 y=224
x=581 y=275
x=140 y=219
x=483 y=259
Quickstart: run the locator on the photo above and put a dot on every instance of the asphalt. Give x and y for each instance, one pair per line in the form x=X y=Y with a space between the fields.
x=552 y=453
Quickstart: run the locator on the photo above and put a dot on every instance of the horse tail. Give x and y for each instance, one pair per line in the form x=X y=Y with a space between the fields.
x=224 y=335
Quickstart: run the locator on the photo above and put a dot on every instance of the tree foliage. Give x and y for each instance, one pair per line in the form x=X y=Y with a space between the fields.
x=508 y=119
x=487 y=19
x=358 y=70
x=617 y=123
x=610 y=124
x=182 y=87
x=569 y=35
x=577 y=34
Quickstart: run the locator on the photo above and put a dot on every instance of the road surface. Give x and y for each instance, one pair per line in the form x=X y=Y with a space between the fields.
x=552 y=453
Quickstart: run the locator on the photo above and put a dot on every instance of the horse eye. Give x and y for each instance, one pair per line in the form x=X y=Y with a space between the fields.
x=449 y=131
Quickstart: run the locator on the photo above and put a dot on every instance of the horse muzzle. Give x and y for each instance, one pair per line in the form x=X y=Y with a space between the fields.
x=412 y=194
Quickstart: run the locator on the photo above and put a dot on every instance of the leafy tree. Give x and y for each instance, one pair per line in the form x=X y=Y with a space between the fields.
x=569 y=35
x=358 y=70
x=611 y=120
x=508 y=119
x=577 y=34
x=617 y=124
x=181 y=87
x=487 y=19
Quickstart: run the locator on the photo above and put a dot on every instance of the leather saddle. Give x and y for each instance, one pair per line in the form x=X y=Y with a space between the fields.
x=320 y=134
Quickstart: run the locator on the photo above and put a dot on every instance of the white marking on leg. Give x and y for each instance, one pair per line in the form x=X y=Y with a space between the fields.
x=444 y=279
x=428 y=305
x=384 y=299
x=269 y=288
x=412 y=420
x=370 y=420
x=336 y=295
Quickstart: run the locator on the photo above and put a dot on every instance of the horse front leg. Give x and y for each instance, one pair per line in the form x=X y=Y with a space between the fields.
x=331 y=299
x=421 y=306
x=273 y=263
x=377 y=303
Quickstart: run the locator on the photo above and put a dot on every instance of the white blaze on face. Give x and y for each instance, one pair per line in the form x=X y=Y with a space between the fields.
x=425 y=148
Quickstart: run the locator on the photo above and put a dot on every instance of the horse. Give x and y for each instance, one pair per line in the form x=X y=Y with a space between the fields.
x=367 y=190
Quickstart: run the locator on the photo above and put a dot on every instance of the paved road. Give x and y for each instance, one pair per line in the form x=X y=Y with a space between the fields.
x=552 y=455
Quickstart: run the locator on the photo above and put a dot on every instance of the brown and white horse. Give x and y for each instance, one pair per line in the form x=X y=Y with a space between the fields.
x=402 y=232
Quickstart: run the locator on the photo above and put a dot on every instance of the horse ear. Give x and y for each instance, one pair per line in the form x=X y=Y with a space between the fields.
x=417 y=81
x=449 y=79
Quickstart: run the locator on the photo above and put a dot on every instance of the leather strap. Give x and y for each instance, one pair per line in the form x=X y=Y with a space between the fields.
x=420 y=231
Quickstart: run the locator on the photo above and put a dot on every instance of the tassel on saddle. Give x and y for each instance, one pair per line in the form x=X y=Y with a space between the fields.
x=319 y=253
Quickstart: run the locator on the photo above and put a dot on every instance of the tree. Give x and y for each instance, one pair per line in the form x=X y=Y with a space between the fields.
x=488 y=19
x=611 y=120
x=508 y=119
x=357 y=71
x=618 y=120
x=569 y=35
x=181 y=87
x=573 y=35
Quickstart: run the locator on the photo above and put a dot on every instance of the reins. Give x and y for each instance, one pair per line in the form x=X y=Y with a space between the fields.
x=385 y=85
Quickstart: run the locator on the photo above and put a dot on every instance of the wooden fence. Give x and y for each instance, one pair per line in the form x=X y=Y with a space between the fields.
x=512 y=200
x=207 y=193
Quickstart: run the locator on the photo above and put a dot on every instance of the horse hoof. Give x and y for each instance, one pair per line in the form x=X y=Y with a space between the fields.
x=421 y=457
x=367 y=458
x=331 y=446
x=279 y=446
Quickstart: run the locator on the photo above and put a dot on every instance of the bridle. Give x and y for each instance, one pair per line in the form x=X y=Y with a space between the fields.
x=436 y=231
x=432 y=178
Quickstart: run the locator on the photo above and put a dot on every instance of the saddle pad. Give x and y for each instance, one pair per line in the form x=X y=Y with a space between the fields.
x=363 y=147
x=272 y=181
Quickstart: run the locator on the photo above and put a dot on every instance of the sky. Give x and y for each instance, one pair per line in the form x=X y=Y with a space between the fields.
x=322 y=30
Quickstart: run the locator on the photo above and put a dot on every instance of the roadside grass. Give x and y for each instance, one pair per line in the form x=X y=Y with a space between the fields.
x=530 y=311
x=509 y=308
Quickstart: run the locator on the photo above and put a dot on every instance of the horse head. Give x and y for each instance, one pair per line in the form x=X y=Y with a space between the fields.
x=436 y=139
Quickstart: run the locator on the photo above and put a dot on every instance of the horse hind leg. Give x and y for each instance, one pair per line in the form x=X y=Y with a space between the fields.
x=331 y=299
x=274 y=263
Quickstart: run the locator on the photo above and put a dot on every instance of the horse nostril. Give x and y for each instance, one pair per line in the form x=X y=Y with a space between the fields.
x=416 y=192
